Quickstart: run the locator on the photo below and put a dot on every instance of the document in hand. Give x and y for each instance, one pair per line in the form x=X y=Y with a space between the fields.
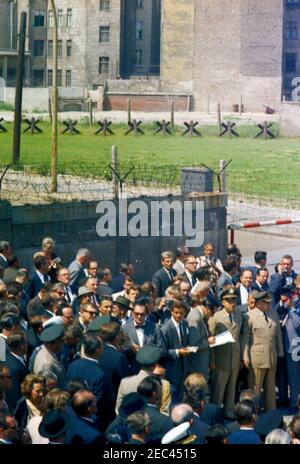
x=222 y=339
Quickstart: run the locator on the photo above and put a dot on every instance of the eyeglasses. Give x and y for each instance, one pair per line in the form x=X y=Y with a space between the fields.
x=140 y=314
x=92 y=313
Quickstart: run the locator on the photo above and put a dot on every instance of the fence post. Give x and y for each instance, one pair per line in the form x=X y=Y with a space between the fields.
x=91 y=111
x=241 y=104
x=219 y=115
x=114 y=163
x=172 y=113
x=128 y=110
x=223 y=175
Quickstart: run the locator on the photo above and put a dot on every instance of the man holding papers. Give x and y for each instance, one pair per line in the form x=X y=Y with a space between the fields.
x=226 y=358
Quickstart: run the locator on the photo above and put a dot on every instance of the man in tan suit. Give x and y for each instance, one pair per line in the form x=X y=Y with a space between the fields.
x=262 y=348
x=226 y=359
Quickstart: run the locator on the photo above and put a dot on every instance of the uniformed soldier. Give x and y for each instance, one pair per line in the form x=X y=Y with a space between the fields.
x=262 y=348
x=226 y=359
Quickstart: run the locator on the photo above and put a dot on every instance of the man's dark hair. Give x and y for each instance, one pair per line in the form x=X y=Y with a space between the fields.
x=39 y=261
x=4 y=246
x=295 y=426
x=259 y=271
x=102 y=273
x=9 y=321
x=193 y=397
x=91 y=344
x=23 y=273
x=244 y=412
x=123 y=267
x=14 y=288
x=12 y=260
x=216 y=434
x=202 y=274
x=259 y=256
x=109 y=332
x=105 y=298
x=16 y=341
x=182 y=251
x=229 y=265
x=148 y=386
x=81 y=405
x=76 y=385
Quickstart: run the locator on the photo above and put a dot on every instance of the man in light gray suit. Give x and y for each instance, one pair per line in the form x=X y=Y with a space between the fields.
x=226 y=359
x=147 y=357
x=200 y=336
x=46 y=358
x=76 y=268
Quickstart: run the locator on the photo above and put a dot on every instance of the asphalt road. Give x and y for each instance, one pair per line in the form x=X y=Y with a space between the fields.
x=275 y=246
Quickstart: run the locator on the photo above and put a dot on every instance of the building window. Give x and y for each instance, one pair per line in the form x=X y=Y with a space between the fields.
x=38 y=48
x=50 y=18
x=103 y=65
x=139 y=57
x=291 y=32
x=59 y=78
x=39 y=18
x=59 y=48
x=68 y=78
x=69 y=17
x=38 y=77
x=60 y=18
x=69 y=47
x=104 y=5
x=139 y=3
x=50 y=77
x=290 y=62
x=50 y=48
x=104 y=34
x=139 y=30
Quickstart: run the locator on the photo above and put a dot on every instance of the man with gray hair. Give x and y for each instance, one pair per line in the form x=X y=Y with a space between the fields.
x=185 y=413
x=76 y=268
x=5 y=253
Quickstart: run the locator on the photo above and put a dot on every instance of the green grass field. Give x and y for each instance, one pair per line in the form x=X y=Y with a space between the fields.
x=259 y=168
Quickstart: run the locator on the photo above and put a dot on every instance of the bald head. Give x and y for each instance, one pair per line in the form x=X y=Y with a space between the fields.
x=182 y=413
x=84 y=403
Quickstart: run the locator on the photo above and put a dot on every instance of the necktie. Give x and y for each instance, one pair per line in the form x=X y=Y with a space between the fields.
x=181 y=333
x=68 y=295
x=266 y=317
x=170 y=275
x=230 y=317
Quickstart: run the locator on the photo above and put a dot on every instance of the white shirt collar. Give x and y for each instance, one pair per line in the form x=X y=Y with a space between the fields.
x=2 y=256
x=90 y=359
x=175 y=323
x=41 y=276
x=22 y=360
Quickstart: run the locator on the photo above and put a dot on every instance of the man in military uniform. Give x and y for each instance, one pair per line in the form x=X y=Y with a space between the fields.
x=226 y=359
x=262 y=348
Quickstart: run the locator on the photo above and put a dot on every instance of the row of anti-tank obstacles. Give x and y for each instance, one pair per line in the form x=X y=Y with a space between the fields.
x=105 y=128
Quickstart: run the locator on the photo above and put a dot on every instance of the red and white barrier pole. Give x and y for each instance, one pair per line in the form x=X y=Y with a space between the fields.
x=252 y=225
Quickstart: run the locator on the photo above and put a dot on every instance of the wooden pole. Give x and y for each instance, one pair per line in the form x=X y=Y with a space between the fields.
x=172 y=113
x=54 y=103
x=219 y=115
x=114 y=163
x=19 y=90
x=91 y=111
x=223 y=175
x=50 y=110
x=128 y=110
x=241 y=104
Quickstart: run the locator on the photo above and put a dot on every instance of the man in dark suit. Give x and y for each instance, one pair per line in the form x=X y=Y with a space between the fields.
x=11 y=272
x=117 y=282
x=283 y=278
x=190 y=269
x=105 y=278
x=39 y=303
x=260 y=259
x=175 y=339
x=163 y=278
x=5 y=253
x=261 y=283
x=40 y=276
x=113 y=363
x=88 y=369
x=15 y=361
x=64 y=277
x=150 y=389
x=141 y=331
x=82 y=428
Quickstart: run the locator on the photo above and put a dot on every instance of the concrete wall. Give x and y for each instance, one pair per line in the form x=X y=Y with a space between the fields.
x=289 y=124
x=33 y=98
x=73 y=225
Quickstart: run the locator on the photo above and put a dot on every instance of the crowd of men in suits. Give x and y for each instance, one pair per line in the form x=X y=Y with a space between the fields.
x=196 y=355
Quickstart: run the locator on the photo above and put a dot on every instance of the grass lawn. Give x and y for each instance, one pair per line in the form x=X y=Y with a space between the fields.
x=263 y=168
